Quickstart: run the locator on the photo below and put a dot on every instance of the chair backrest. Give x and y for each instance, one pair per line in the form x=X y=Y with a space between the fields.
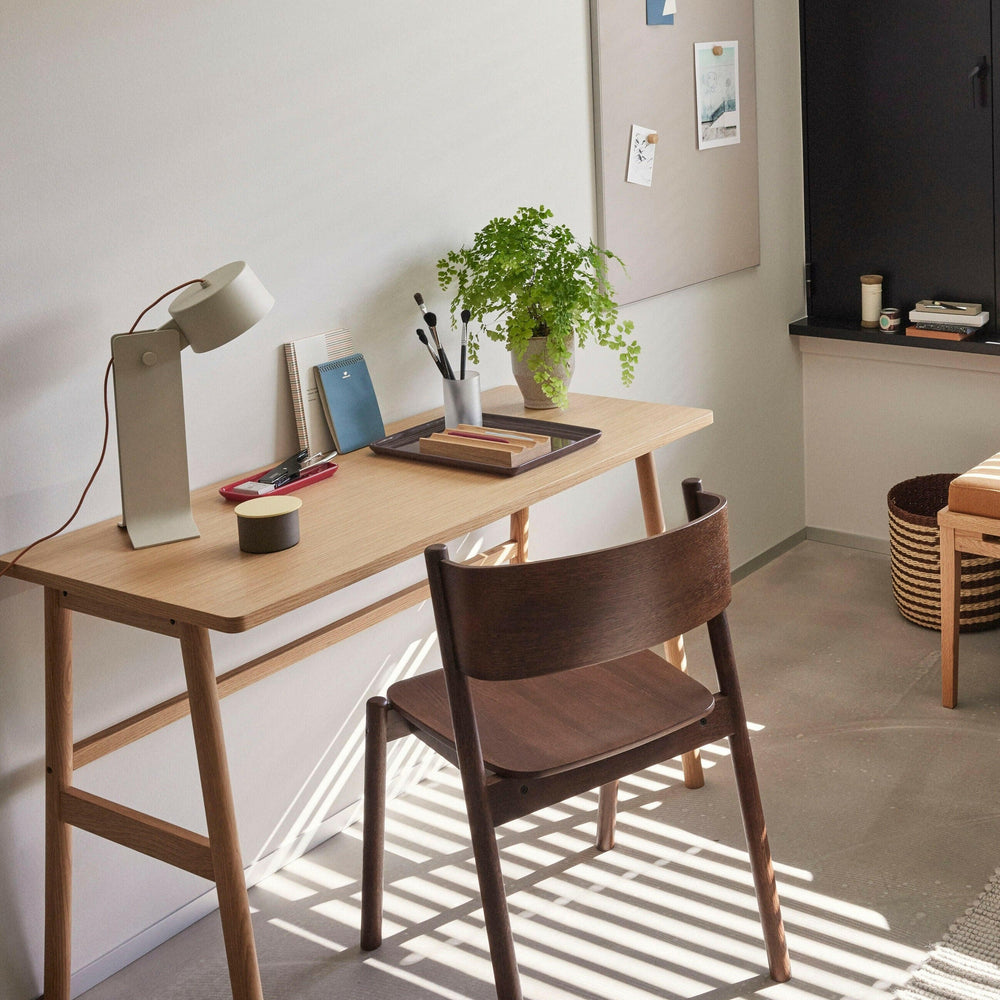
x=524 y=620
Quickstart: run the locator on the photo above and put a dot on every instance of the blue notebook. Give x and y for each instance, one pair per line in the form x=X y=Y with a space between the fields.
x=349 y=402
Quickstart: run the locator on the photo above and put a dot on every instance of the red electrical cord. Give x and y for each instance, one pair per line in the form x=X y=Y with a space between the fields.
x=104 y=444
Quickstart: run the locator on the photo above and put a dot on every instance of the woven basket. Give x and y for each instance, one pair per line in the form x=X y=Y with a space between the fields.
x=915 y=551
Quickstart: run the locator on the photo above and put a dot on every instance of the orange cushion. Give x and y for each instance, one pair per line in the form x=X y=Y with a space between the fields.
x=978 y=490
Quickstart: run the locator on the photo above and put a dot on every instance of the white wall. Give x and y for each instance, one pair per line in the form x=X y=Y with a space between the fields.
x=340 y=148
x=877 y=415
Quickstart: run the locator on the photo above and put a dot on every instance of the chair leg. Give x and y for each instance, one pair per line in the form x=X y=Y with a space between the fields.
x=760 y=857
x=607 y=809
x=373 y=843
x=754 y=827
x=501 y=941
x=951 y=570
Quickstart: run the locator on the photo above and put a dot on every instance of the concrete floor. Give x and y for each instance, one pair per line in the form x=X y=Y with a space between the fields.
x=882 y=808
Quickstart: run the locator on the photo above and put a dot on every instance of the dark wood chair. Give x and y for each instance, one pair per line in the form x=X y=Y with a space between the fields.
x=549 y=689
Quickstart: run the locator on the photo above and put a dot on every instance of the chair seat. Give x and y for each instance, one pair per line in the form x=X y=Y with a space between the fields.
x=543 y=725
x=978 y=490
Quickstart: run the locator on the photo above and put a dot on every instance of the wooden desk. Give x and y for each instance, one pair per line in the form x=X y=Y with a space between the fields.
x=393 y=509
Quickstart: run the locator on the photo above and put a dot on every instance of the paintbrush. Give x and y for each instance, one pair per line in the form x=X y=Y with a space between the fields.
x=466 y=316
x=422 y=337
x=431 y=320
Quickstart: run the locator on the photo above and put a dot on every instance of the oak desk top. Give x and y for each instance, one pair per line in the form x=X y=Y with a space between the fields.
x=375 y=512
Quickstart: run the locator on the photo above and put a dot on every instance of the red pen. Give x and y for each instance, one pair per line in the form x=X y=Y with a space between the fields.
x=480 y=437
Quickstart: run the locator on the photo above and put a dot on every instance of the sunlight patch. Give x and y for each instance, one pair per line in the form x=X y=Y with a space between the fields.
x=301 y=932
x=286 y=888
x=319 y=875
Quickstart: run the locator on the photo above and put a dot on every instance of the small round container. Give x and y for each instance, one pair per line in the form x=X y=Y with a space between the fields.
x=268 y=524
x=889 y=320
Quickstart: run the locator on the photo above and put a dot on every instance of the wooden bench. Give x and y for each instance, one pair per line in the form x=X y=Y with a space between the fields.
x=969 y=524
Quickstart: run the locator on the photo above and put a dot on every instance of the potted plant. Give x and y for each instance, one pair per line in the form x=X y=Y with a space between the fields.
x=535 y=288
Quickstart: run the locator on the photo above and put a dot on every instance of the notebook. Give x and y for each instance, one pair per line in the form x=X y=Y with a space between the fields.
x=349 y=402
x=301 y=357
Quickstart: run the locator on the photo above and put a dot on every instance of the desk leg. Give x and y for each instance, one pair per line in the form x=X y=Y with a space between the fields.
x=220 y=816
x=58 y=776
x=519 y=534
x=652 y=512
x=608 y=799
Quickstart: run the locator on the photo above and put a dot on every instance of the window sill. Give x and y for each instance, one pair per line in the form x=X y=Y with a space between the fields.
x=835 y=338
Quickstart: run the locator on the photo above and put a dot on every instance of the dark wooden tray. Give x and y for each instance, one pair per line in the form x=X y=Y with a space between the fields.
x=565 y=438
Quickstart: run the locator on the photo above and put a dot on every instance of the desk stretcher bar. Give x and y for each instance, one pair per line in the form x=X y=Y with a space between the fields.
x=135 y=727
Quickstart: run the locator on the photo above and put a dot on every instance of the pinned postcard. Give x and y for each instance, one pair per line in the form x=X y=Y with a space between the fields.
x=660 y=11
x=717 y=83
x=641 y=150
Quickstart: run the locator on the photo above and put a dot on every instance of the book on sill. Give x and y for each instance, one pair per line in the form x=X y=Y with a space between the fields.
x=302 y=356
x=942 y=331
x=980 y=318
x=956 y=309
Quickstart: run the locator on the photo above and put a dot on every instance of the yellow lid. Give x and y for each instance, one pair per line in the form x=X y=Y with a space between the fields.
x=268 y=506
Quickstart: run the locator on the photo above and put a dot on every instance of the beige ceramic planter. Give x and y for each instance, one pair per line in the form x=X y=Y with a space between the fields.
x=534 y=398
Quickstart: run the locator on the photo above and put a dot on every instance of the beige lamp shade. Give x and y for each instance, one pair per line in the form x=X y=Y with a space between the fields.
x=227 y=303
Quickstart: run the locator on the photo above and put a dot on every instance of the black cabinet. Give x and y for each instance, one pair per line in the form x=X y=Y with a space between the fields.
x=899 y=140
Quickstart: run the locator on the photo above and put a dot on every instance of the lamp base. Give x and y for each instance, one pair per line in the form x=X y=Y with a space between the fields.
x=152 y=448
x=160 y=530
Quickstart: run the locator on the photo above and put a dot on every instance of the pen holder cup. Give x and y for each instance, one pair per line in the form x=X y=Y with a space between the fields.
x=462 y=403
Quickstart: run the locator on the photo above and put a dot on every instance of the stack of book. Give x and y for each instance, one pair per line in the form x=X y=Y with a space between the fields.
x=941 y=320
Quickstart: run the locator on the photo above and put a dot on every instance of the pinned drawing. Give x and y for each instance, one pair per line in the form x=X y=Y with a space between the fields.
x=641 y=150
x=660 y=11
x=717 y=80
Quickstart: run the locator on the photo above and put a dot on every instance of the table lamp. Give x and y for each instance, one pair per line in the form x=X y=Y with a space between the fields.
x=149 y=398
